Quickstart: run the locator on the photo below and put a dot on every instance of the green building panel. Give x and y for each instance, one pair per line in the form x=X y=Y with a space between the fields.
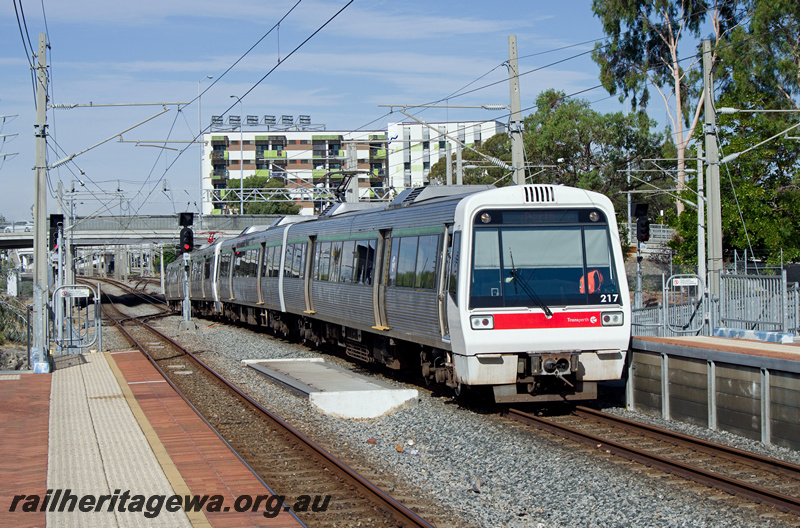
x=275 y=154
x=225 y=155
x=262 y=172
x=416 y=148
x=325 y=137
x=380 y=154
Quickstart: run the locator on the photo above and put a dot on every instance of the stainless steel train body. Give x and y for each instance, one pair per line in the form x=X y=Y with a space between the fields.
x=521 y=289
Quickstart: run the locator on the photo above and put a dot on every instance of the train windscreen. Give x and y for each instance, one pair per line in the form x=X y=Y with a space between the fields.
x=557 y=258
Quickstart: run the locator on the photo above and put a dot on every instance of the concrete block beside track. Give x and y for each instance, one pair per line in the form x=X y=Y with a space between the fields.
x=333 y=390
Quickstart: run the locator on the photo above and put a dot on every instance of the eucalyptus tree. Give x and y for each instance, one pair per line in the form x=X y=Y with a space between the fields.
x=645 y=48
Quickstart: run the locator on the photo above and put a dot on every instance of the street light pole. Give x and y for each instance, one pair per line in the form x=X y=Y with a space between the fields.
x=200 y=137
x=241 y=154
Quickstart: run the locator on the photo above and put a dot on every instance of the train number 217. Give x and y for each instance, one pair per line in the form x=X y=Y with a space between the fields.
x=609 y=297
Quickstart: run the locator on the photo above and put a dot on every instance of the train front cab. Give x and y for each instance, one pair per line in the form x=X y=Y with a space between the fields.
x=545 y=312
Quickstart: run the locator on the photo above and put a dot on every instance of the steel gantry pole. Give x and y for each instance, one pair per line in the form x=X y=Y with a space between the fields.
x=40 y=203
x=202 y=143
x=515 y=123
x=712 y=178
x=241 y=154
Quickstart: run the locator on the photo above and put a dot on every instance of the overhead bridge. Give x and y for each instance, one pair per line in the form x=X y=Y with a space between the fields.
x=131 y=230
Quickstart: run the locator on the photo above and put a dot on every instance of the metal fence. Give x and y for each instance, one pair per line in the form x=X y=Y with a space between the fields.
x=746 y=302
x=754 y=302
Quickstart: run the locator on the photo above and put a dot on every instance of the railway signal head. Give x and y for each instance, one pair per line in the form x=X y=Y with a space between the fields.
x=642 y=229
x=187 y=240
x=55 y=220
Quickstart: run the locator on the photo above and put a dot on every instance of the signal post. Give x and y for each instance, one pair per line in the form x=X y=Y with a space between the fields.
x=187 y=246
x=639 y=211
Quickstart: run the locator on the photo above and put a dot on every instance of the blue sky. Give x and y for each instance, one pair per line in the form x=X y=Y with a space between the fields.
x=374 y=52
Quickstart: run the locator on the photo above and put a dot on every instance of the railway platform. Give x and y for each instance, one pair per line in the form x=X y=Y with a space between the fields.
x=750 y=388
x=105 y=441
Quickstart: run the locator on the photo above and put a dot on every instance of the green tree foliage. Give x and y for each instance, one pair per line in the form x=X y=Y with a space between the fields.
x=169 y=256
x=763 y=57
x=255 y=206
x=760 y=190
x=643 y=51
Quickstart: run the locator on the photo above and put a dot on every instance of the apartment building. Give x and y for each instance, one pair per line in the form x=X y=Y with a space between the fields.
x=305 y=155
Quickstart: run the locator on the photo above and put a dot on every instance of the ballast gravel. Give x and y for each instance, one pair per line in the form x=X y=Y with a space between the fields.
x=484 y=470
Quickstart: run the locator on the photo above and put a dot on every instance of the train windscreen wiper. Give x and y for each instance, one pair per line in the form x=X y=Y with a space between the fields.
x=517 y=278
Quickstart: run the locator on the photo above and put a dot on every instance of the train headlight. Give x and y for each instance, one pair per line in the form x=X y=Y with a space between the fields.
x=611 y=318
x=481 y=322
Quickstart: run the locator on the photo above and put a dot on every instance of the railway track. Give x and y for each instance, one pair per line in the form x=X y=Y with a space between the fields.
x=760 y=479
x=290 y=462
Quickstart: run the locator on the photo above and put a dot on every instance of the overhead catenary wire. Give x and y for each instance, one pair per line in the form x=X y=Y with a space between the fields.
x=257 y=83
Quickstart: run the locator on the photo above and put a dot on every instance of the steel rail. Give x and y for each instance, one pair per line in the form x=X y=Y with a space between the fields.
x=129 y=337
x=781 y=467
x=756 y=494
x=401 y=513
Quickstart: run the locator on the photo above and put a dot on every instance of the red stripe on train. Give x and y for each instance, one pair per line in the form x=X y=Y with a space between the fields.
x=538 y=320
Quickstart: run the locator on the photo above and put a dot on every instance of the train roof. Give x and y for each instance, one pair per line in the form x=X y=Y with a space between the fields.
x=431 y=192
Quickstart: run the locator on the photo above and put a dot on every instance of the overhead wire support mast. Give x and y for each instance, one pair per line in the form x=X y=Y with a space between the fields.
x=40 y=344
x=515 y=122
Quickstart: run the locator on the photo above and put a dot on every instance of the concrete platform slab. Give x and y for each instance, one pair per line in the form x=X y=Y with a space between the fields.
x=333 y=390
x=782 y=351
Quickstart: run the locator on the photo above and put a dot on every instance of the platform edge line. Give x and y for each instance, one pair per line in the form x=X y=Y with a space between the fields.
x=198 y=519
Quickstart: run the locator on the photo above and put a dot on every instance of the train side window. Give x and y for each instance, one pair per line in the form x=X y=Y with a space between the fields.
x=237 y=264
x=299 y=260
x=406 y=261
x=275 y=265
x=348 y=258
x=207 y=268
x=288 y=260
x=245 y=266
x=427 y=252
x=254 y=254
x=453 y=256
x=267 y=261
x=224 y=265
x=322 y=261
x=365 y=261
x=336 y=260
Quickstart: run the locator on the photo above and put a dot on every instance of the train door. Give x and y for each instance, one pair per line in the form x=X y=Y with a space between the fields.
x=309 y=271
x=382 y=252
x=229 y=278
x=444 y=275
x=204 y=276
x=259 y=267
